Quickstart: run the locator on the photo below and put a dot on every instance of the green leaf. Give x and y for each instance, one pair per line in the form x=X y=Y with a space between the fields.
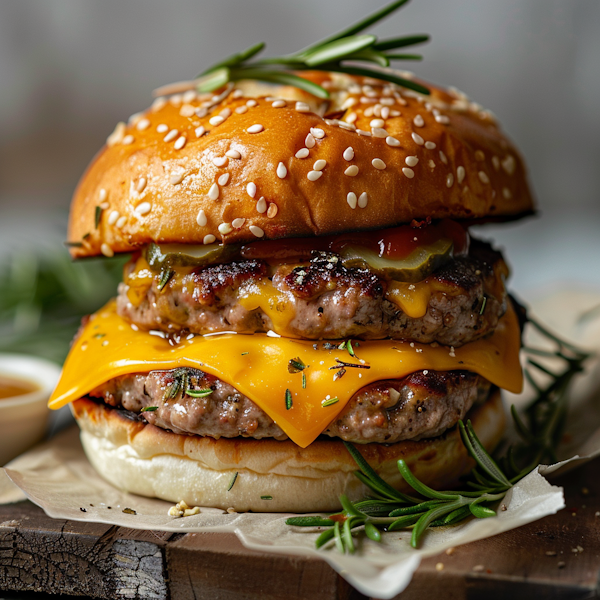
x=213 y=80
x=337 y=50
x=347 y=536
x=404 y=521
x=371 y=56
x=165 y=277
x=349 y=508
x=339 y=542
x=430 y=516
x=404 y=56
x=372 y=532
x=233 y=480
x=481 y=512
x=366 y=22
x=420 y=487
x=479 y=453
x=288 y=400
x=282 y=78
x=325 y=537
x=309 y=522
x=417 y=508
x=199 y=393
x=400 y=42
x=456 y=516
x=378 y=74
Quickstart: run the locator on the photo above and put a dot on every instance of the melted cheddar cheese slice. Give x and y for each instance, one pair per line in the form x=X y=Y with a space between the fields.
x=257 y=365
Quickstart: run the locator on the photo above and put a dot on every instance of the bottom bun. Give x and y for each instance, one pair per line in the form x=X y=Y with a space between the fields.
x=143 y=459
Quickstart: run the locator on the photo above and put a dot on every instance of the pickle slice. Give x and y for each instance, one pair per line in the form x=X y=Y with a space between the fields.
x=182 y=255
x=419 y=264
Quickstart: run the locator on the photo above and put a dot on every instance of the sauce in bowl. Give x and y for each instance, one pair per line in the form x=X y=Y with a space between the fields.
x=13 y=386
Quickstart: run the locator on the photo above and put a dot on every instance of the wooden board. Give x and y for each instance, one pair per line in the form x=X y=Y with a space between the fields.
x=557 y=557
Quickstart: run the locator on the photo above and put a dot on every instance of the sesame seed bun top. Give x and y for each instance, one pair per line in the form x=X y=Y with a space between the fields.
x=244 y=166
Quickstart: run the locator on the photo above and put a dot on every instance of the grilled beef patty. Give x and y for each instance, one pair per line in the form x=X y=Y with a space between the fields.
x=421 y=405
x=325 y=300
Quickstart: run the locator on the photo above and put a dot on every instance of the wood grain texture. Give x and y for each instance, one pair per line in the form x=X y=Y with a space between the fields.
x=557 y=557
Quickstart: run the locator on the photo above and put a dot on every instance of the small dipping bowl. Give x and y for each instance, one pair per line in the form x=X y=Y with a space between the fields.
x=24 y=417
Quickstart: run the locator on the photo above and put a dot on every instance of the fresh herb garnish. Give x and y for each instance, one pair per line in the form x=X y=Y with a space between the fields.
x=266 y=497
x=341 y=52
x=342 y=364
x=183 y=378
x=338 y=374
x=295 y=365
x=387 y=509
x=149 y=409
x=244 y=353
x=129 y=511
x=483 y=303
x=98 y=216
x=165 y=277
x=303 y=380
x=233 y=480
x=199 y=393
x=288 y=400
x=329 y=401
x=73 y=244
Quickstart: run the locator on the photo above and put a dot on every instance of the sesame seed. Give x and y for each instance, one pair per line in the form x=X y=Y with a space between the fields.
x=237 y=94
x=483 y=177
x=377 y=123
x=256 y=231
x=302 y=153
x=213 y=193
x=443 y=158
x=506 y=193
x=348 y=153
x=214 y=121
x=121 y=222
x=175 y=99
x=200 y=131
x=392 y=141
x=418 y=121
x=261 y=205
x=220 y=161
x=431 y=164
x=201 y=112
x=314 y=175
x=180 y=143
x=479 y=155
x=460 y=174
x=478 y=568
x=189 y=96
x=439 y=566
x=238 y=223
x=379 y=132
x=417 y=138
x=442 y=119
x=233 y=154
x=430 y=145
x=128 y=139
x=318 y=133
x=141 y=185
x=187 y=110
x=162 y=128
x=508 y=164
x=348 y=103
x=351 y=199
x=385 y=111
x=102 y=195
x=176 y=178
x=272 y=210
x=223 y=179
x=319 y=164
x=362 y=132
x=240 y=110
x=496 y=162
x=158 y=103
x=351 y=118
x=143 y=208
x=310 y=142
x=201 y=218
x=107 y=250
x=209 y=239
x=449 y=180
x=408 y=172
x=224 y=228
x=363 y=199
x=225 y=113
x=411 y=161
x=281 y=171
x=113 y=217
x=142 y=124
x=378 y=164
x=251 y=189
x=251 y=103
x=278 y=104
x=302 y=107
x=351 y=171
x=257 y=128
x=171 y=135
x=395 y=113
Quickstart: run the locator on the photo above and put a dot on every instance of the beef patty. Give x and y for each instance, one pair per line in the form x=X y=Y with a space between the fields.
x=421 y=405
x=324 y=300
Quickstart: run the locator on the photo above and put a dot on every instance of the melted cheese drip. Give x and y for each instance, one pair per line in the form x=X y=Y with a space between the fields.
x=257 y=365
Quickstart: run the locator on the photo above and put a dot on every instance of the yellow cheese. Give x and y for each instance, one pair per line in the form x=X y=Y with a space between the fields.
x=257 y=365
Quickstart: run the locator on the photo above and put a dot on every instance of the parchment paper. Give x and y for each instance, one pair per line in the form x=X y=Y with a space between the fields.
x=58 y=477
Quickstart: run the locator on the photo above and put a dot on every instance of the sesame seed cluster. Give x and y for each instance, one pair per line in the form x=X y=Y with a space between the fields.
x=241 y=166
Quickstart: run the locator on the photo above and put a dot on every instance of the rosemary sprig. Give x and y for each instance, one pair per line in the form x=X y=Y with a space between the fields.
x=388 y=510
x=184 y=381
x=340 y=52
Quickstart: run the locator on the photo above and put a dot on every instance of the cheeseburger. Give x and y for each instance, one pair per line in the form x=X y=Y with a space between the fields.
x=302 y=273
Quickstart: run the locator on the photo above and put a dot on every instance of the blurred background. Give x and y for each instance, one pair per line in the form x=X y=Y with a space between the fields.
x=70 y=69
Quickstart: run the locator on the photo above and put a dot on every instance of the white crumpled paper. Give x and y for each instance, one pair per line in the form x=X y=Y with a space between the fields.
x=58 y=477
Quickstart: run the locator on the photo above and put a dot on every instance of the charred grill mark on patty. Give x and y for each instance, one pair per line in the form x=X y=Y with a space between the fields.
x=421 y=405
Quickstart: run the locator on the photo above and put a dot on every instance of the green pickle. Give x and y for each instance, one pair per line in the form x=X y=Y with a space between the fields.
x=176 y=255
x=419 y=264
